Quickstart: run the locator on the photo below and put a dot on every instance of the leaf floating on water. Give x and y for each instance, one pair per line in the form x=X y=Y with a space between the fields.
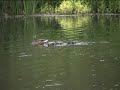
x=93 y=70
x=20 y=79
x=104 y=42
x=48 y=85
x=25 y=55
x=19 y=59
x=116 y=58
x=102 y=60
x=111 y=88
x=93 y=75
x=44 y=55
x=54 y=84
x=61 y=74
x=57 y=84
x=116 y=85
x=103 y=84
x=37 y=86
x=49 y=80
x=94 y=85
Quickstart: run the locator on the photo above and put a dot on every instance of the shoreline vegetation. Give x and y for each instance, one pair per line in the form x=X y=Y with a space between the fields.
x=59 y=7
x=39 y=15
x=60 y=15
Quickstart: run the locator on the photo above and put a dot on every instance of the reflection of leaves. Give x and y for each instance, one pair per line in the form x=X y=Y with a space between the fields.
x=71 y=22
x=47 y=23
x=48 y=27
x=51 y=27
x=72 y=26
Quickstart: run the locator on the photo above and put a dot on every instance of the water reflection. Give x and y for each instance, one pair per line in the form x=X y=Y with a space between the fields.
x=86 y=67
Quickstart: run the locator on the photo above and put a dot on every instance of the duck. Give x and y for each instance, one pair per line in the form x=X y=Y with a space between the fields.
x=39 y=41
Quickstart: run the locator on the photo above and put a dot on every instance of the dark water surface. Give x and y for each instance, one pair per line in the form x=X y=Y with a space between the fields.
x=86 y=67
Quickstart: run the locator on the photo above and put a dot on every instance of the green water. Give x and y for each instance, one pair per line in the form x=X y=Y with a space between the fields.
x=91 y=67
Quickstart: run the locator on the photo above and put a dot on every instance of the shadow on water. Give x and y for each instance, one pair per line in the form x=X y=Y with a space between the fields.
x=91 y=67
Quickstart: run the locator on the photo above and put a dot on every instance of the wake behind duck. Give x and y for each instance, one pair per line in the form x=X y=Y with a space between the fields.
x=47 y=43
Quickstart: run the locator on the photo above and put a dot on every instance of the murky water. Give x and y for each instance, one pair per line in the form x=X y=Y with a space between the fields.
x=85 y=67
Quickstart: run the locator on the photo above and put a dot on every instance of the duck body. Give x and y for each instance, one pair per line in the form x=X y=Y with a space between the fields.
x=46 y=43
x=55 y=43
x=39 y=42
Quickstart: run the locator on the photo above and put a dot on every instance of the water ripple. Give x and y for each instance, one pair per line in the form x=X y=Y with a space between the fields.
x=25 y=55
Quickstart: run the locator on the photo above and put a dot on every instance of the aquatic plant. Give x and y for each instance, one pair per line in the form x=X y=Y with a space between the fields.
x=16 y=7
x=46 y=8
x=30 y=6
x=72 y=7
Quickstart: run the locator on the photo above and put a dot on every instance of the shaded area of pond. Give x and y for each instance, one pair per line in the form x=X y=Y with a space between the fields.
x=91 y=67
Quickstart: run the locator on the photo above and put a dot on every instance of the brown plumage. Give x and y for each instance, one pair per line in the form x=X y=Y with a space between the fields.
x=39 y=41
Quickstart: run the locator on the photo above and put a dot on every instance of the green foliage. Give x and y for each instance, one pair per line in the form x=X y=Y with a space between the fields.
x=11 y=7
x=65 y=7
x=70 y=7
x=16 y=7
x=30 y=6
x=81 y=8
x=104 y=6
x=45 y=9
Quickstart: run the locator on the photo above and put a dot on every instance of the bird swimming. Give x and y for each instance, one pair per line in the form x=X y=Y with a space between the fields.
x=46 y=43
x=39 y=42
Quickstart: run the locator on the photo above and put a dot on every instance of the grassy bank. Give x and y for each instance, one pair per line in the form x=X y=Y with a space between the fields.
x=29 y=7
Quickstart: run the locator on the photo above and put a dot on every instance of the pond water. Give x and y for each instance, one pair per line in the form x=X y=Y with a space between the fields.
x=85 y=67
